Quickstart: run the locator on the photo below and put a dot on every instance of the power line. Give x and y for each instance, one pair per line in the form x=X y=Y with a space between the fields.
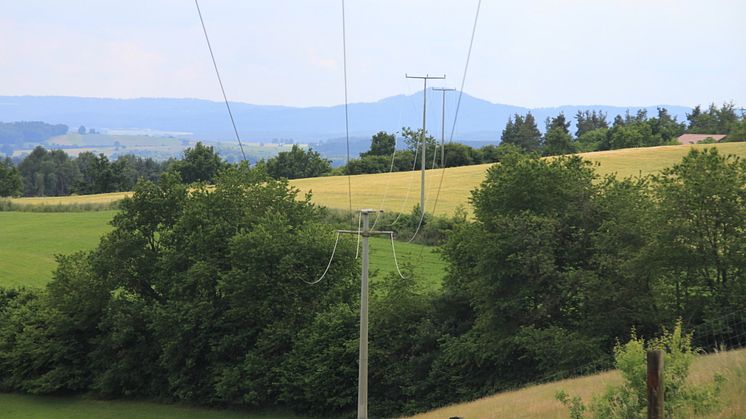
x=220 y=81
x=460 y=95
x=347 y=118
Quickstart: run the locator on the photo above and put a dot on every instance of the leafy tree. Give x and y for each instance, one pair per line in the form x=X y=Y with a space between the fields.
x=98 y=175
x=592 y=140
x=666 y=127
x=382 y=144
x=629 y=400
x=522 y=132
x=81 y=130
x=11 y=183
x=714 y=120
x=702 y=233
x=200 y=164
x=50 y=173
x=297 y=163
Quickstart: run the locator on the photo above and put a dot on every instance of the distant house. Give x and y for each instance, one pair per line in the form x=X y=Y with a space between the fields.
x=695 y=138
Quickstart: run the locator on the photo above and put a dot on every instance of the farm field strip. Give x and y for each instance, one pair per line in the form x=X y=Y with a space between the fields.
x=402 y=188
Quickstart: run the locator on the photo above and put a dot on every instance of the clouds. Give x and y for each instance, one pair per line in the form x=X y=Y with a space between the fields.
x=535 y=53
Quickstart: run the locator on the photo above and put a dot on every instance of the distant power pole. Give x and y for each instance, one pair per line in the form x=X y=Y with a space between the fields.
x=424 y=78
x=443 y=125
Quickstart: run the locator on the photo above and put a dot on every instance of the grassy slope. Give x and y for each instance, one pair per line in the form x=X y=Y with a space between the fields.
x=31 y=239
x=402 y=188
x=538 y=401
x=42 y=407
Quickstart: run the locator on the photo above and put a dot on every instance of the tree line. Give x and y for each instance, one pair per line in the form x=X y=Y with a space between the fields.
x=199 y=294
x=593 y=132
x=54 y=173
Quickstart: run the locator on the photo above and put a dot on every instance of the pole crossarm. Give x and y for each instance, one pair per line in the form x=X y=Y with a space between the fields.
x=366 y=233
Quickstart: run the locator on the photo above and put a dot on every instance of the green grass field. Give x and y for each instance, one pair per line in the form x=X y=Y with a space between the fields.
x=15 y=406
x=31 y=239
x=29 y=242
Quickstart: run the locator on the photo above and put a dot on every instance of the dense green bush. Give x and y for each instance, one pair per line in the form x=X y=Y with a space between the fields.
x=629 y=400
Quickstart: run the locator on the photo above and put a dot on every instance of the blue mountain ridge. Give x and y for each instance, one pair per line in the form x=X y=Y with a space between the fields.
x=479 y=121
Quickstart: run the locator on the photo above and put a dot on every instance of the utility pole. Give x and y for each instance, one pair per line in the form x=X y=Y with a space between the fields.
x=443 y=125
x=362 y=378
x=424 y=78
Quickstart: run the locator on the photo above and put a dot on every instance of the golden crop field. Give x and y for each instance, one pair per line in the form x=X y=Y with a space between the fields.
x=400 y=191
x=539 y=402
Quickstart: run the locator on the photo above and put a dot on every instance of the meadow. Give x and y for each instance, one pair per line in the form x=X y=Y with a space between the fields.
x=399 y=191
x=30 y=240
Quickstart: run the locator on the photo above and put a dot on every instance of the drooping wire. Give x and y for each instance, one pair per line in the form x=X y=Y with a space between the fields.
x=347 y=118
x=220 y=81
x=328 y=265
x=393 y=250
x=458 y=103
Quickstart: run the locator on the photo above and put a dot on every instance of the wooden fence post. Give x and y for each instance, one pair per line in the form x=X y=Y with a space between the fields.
x=655 y=385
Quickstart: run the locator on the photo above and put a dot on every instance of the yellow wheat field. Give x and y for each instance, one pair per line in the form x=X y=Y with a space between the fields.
x=400 y=191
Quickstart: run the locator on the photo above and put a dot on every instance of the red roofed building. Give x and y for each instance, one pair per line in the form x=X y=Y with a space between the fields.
x=695 y=138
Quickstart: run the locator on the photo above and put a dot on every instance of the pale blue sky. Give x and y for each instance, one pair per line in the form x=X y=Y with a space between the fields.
x=529 y=53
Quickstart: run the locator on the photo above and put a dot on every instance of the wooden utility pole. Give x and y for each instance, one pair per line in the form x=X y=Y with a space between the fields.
x=424 y=78
x=443 y=125
x=362 y=378
x=655 y=384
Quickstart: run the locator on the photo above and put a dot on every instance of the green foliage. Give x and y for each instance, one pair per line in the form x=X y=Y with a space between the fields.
x=48 y=173
x=702 y=233
x=587 y=121
x=522 y=132
x=629 y=400
x=11 y=183
x=200 y=164
x=381 y=144
x=713 y=120
x=297 y=163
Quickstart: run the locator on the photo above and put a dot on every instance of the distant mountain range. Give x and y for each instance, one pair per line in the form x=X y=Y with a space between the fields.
x=479 y=121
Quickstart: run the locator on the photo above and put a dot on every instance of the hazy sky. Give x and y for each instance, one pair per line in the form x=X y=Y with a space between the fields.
x=529 y=53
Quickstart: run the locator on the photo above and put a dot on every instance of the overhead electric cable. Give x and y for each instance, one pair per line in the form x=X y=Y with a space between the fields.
x=458 y=103
x=347 y=118
x=393 y=250
x=220 y=81
x=328 y=265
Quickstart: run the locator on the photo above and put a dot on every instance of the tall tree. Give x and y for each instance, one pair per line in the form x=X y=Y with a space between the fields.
x=557 y=139
x=522 y=132
x=587 y=121
x=297 y=163
x=11 y=183
x=382 y=144
x=200 y=164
